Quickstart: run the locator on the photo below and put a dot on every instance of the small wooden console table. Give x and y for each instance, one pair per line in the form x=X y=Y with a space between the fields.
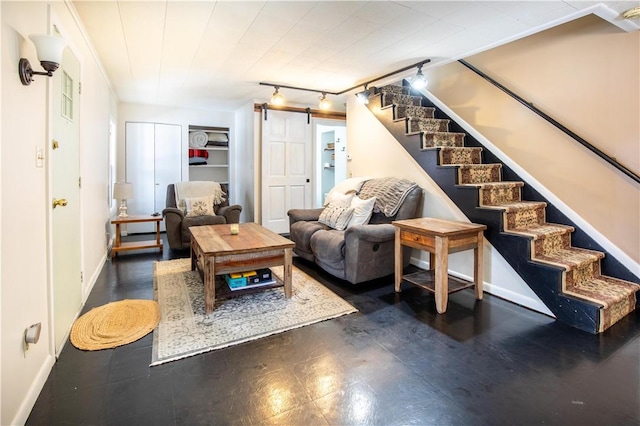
x=136 y=245
x=439 y=237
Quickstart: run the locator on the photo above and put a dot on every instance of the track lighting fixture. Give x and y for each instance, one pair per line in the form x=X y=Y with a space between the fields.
x=324 y=102
x=49 y=49
x=419 y=81
x=277 y=98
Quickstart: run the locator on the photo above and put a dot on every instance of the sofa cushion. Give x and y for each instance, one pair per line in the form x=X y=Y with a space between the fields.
x=301 y=233
x=328 y=247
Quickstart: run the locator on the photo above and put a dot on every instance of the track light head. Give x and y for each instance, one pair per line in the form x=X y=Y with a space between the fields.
x=324 y=102
x=419 y=81
x=277 y=98
x=363 y=97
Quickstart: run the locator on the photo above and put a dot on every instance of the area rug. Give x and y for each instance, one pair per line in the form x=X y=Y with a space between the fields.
x=115 y=324
x=185 y=330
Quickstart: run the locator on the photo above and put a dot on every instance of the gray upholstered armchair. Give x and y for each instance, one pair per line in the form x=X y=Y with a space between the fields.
x=177 y=223
x=361 y=252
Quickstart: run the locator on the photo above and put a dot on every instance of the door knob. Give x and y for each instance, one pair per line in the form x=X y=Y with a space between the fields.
x=61 y=202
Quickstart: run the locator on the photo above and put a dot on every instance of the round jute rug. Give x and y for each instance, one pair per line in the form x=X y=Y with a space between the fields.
x=115 y=324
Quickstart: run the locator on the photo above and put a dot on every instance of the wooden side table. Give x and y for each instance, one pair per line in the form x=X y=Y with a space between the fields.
x=136 y=245
x=439 y=237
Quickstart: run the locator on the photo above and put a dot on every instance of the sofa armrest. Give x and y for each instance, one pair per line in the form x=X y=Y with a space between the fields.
x=173 y=225
x=231 y=213
x=308 y=215
x=369 y=252
x=371 y=233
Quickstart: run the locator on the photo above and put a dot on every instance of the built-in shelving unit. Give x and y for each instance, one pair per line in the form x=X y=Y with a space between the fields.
x=209 y=154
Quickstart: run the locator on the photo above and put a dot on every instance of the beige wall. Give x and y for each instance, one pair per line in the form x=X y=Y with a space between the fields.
x=585 y=74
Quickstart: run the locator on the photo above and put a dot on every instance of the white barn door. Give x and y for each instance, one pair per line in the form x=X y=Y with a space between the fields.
x=287 y=159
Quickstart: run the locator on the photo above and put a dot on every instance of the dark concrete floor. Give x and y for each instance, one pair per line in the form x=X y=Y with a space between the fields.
x=395 y=362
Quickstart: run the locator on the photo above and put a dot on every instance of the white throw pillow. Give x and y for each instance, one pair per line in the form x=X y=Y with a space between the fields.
x=346 y=186
x=336 y=217
x=340 y=200
x=199 y=206
x=362 y=210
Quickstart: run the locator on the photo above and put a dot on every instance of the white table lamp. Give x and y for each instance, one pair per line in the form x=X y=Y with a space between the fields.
x=123 y=191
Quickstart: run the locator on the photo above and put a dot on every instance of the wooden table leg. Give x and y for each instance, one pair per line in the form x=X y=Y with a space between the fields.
x=118 y=241
x=478 y=266
x=209 y=284
x=399 y=261
x=288 y=270
x=441 y=274
x=193 y=256
x=158 y=235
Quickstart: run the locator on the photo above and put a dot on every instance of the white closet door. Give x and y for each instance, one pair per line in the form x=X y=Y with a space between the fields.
x=286 y=167
x=153 y=160
x=168 y=164
x=139 y=139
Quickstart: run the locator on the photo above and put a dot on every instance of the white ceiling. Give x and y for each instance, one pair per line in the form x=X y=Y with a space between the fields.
x=212 y=55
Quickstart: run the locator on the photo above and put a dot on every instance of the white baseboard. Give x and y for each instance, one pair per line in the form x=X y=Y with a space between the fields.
x=34 y=391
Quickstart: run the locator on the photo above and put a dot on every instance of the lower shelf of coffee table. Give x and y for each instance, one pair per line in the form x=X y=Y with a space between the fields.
x=223 y=291
x=426 y=280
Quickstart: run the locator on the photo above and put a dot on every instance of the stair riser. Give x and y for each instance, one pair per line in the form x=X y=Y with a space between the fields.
x=523 y=218
x=404 y=111
x=496 y=196
x=550 y=244
x=479 y=174
x=460 y=156
x=394 y=98
x=428 y=125
x=433 y=140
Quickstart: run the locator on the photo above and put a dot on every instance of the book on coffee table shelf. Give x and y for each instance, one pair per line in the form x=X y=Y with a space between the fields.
x=249 y=279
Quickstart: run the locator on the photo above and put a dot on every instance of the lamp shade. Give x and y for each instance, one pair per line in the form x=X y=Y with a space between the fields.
x=49 y=48
x=122 y=191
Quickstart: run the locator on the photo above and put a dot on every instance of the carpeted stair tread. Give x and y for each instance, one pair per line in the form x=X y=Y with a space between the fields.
x=460 y=155
x=570 y=258
x=543 y=230
x=442 y=139
x=479 y=173
x=549 y=243
x=520 y=205
x=617 y=297
x=427 y=125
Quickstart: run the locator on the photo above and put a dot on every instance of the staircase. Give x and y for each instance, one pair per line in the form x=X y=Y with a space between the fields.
x=531 y=234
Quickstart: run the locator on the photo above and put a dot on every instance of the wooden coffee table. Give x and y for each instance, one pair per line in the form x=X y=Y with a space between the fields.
x=215 y=251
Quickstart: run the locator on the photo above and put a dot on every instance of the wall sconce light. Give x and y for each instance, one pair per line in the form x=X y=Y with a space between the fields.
x=324 y=102
x=277 y=98
x=419 y=81
x=123 y=191
x=49 y=50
